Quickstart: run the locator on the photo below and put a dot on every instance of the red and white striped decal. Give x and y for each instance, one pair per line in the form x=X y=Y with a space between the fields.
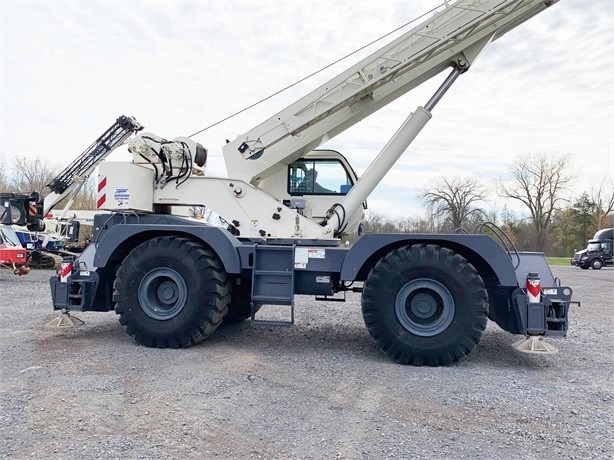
x=32 y=208
x=65 y=271
x=102 y=192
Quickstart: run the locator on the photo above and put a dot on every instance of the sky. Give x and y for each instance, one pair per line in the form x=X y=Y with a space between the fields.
x=69 y=69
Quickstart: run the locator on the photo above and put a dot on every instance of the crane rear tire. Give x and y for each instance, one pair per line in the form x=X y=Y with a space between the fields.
x=425 y=305
x=240 y=307
x=171 y=292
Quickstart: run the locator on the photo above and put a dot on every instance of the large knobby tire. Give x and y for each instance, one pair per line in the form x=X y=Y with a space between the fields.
x=425 y=305
x=171 y=292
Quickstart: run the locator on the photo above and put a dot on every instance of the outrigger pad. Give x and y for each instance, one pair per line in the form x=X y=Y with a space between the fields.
x=534 y=344
x=65 y=320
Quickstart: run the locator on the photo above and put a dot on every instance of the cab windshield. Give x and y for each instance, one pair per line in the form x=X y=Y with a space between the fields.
x=593 y=246
x=318 y=177
x=8 y=236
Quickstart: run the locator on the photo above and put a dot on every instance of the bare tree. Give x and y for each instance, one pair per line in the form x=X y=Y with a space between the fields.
x=4 y=176
x=454 y=200
x=376 y=222
x=539 y=182
x=31 y=174
x=603 y=197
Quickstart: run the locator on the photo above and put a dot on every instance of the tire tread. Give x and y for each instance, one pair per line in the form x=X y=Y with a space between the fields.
x=214 y=284
x=379 y=324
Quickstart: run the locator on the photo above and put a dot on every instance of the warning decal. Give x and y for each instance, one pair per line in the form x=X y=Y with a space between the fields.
x=102 y=193
x=302 y=256
x=316 y=253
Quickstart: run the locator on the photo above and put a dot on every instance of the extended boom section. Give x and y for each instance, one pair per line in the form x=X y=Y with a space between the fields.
x=454 y=36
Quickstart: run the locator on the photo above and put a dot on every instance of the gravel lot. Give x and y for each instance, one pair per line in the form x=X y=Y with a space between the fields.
x=320 y=390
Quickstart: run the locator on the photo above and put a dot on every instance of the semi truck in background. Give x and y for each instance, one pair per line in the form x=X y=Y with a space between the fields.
x=599 y=251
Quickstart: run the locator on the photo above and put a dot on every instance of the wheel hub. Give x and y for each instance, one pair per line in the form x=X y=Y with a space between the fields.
x=167 y=292
x=162 y=293
x=424 y=307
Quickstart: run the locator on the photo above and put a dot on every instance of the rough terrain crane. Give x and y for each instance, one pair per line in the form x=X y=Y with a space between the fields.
x=426 y=298
x=29 y=210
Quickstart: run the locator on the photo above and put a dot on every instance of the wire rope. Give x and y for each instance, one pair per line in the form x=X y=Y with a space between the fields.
x=313 y=73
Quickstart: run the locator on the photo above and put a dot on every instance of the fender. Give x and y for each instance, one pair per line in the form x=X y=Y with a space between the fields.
x=117 y=241
x=480 y=250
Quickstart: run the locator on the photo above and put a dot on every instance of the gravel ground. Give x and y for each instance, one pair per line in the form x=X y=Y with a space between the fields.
x=320 y=390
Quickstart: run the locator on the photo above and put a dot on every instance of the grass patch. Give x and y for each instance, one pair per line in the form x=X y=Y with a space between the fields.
x=558 y=260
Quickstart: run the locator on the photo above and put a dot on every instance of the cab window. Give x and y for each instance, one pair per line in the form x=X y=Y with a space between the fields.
x=318 y=177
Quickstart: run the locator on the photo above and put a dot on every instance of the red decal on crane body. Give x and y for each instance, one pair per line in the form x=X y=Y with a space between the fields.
x=102 y=195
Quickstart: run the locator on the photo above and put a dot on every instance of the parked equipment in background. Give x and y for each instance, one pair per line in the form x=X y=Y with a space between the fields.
x=27 y=212
x=12 y=254
x=425 y=297
x=599 y=251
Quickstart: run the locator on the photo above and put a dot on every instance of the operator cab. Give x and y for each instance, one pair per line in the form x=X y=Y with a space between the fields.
x=315 y=183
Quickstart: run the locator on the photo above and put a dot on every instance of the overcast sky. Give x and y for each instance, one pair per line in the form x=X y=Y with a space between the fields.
x=69 y=69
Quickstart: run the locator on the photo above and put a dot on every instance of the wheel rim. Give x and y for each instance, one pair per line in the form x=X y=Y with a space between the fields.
x=162 y=293
x=424 y=307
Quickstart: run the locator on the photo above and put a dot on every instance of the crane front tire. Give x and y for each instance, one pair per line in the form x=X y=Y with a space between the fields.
x=171 y=292
x=425 y=305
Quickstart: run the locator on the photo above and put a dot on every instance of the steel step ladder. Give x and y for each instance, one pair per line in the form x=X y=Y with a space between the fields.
x=273 y=282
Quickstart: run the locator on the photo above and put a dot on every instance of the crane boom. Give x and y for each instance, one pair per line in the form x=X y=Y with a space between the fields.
x=70 y=180
x=454 y=36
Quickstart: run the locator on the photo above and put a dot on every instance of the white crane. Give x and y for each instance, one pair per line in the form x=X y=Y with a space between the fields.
x=425 y=298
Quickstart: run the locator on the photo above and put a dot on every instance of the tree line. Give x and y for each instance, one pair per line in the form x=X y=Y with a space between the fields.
x=25 y=175
x=555 y=222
